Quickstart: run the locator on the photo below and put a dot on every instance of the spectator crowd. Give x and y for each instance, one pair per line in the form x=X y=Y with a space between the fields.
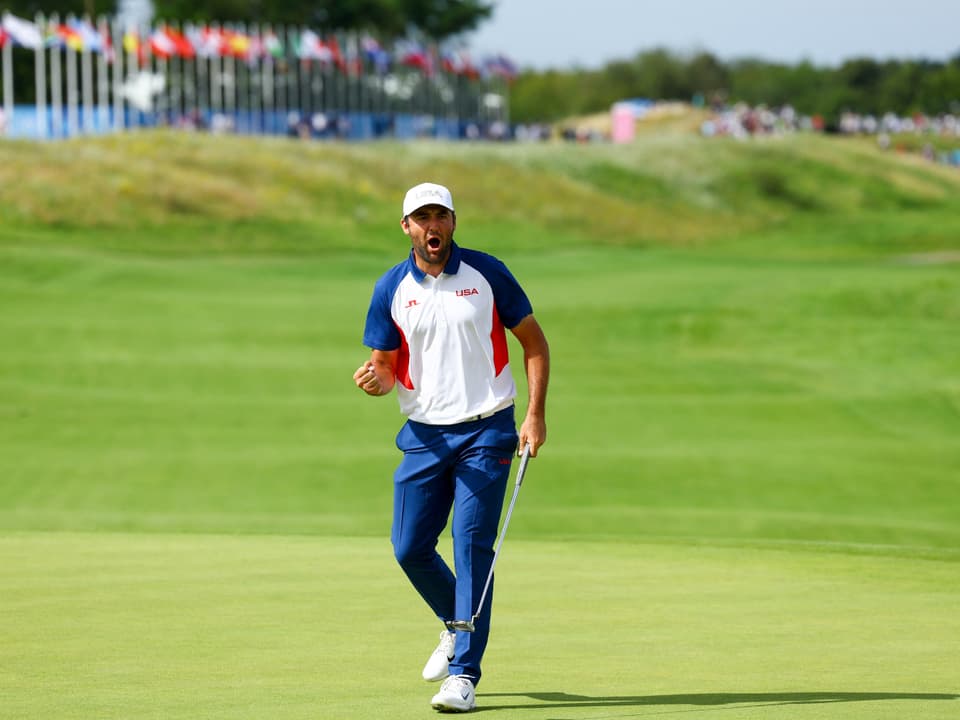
x=743 y=121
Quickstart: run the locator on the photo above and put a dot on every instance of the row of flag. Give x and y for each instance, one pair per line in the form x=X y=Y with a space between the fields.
x=353 y=56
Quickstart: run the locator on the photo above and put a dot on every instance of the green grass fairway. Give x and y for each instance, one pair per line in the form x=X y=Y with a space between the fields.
x=748 y=505
x=178 y=626
x=692 y=397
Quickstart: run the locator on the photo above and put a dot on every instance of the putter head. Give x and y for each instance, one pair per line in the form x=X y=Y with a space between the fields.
x=462 y=625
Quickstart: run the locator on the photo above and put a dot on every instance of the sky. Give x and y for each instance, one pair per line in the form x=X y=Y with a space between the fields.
x=558 y=34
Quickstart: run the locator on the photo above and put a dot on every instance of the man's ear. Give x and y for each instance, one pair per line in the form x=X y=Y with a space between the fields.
x=405 y=224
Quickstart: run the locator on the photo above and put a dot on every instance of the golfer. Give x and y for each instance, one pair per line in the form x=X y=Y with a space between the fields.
x=436 y=328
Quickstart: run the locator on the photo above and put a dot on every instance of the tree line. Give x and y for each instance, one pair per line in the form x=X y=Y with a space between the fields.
x=860 y=85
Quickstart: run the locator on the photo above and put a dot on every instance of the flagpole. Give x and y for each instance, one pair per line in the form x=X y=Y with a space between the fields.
x=331 y=82
x=103 y=100
x=212 y=46
x=268 y=89
x=56 y=84
x=259 y=70
x=149 y=67
x=40 y=78
x=187 y=78
x=278 y=76
x=200 y=85
x=389 y=88
x=86 y=72
x=506 y=102
x=304 y=72
x=255 y=77
x=242 y=72
x=342 y=86
x=202 y=70
x=380 y=67
x=229 y=93
x=132 y=51
x=164 y=112
x=291 y=92
x=171 y=71
x=355 y=64
x=318 y=87
x=253 y=80
x=113 y=28
x=232 y=96
x=160 y=68
x=283 y=74
x=72 y=92
x=8 y=81
x=340 y=80
x=347 y=63
x=175 y=77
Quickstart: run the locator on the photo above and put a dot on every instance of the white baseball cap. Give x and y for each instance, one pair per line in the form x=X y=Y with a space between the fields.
x=426 y=194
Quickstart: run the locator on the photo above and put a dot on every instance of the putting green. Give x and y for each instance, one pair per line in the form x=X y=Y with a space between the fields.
x=203 y=626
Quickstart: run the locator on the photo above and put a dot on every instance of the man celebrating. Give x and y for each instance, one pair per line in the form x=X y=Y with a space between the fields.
x=436 y=328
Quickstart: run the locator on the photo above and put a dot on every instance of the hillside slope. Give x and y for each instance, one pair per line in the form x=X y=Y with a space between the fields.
x=175 y=192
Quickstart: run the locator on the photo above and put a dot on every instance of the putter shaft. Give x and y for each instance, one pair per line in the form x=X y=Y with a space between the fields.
x=470 y=625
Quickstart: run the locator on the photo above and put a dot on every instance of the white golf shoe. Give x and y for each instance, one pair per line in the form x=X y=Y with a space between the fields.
x=437 y=667
x=456 y=695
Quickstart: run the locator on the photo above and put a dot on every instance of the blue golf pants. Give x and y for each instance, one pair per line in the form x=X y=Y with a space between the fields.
x=464 y=467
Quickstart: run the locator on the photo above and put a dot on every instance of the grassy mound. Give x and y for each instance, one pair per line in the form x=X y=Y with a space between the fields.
x=180 y=193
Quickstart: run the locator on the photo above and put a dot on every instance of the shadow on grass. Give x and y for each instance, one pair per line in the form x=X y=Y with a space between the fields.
x=555 y=700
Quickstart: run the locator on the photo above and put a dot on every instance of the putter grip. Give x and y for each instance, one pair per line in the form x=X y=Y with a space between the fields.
x=523 y=464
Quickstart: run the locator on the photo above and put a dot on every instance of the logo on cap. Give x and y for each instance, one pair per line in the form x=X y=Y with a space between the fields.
x=429 y=192
x=426 y=194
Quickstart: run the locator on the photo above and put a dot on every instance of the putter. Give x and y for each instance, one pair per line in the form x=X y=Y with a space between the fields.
x=470 y=625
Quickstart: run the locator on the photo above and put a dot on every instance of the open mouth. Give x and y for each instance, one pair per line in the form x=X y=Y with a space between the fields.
x=433 y=243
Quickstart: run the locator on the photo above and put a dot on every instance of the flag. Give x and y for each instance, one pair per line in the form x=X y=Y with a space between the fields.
x=352 y=59
x=450 y=62
x=207 y=42
x=131 y=42
x=181 y=44
x=501 y=66
x=458 y=62
x=132 y=45
x=376 y=55
x=165 y=42
x=469 y=69
x=87 y=36
x=22 y=32
x=3 y=36
x=108 y=50
x=412 y=54
x=161 y=45
x=272 y=45
x=51 y=36
x=313 y=48
x=235 y=44
x=335 y=55
x=69 y=38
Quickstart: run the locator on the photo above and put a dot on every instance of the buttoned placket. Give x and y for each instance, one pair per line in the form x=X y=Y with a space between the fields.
x=436 y=298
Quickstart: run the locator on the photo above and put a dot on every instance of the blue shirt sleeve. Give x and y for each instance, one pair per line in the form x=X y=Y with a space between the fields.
x=380 y=331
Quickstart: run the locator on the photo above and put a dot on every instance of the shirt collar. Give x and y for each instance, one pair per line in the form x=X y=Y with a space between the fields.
x=451 y=268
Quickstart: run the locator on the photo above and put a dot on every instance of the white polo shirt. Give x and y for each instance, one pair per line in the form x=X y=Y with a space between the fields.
x=453 y=363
